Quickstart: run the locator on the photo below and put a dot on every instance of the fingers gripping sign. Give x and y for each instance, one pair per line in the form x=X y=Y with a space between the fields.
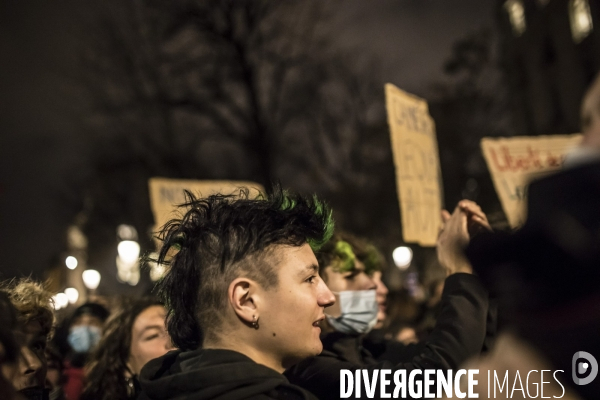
x=457 y=229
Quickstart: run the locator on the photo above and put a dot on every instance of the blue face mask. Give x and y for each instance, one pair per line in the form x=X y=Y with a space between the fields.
x=83 y=338
x=359 y=312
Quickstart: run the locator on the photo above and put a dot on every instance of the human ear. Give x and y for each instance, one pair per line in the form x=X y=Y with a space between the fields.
x=242 y=297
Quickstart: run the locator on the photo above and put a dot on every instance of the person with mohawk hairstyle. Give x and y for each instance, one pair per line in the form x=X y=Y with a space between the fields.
x=243 y=294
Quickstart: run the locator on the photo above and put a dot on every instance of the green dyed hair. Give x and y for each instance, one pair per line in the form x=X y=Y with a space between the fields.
x=342 y=251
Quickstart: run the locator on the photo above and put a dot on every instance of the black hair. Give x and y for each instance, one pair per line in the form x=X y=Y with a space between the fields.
x=221 y=237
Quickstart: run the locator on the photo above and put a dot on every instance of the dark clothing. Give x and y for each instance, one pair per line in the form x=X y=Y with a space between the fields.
x=212 y=374
x=460 y=333
x=546 y=274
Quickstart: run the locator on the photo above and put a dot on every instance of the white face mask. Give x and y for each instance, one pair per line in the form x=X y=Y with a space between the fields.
x=359 y=312
x=581 y=155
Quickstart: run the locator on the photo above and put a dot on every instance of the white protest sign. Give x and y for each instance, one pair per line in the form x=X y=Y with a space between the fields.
x=516 y=161
x=167 y=194
x=416 y=158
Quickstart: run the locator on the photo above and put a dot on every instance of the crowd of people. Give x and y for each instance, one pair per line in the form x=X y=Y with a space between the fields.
x=264 y=298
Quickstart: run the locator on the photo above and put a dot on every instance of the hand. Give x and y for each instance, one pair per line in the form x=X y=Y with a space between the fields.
x=458 y=227
x=476 y=219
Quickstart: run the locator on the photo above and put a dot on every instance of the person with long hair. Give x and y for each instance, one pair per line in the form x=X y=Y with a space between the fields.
x=133 y=336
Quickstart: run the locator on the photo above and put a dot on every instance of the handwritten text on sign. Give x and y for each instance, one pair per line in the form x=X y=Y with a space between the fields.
x=167 y=194
x=418 y=176
x=514 y=162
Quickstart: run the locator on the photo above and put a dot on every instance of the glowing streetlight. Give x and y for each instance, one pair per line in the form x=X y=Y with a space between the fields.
x=72 y=295
x=129 y=251
x=91 y=278
x=402 y=257
x=60 y=301
x=71 y=262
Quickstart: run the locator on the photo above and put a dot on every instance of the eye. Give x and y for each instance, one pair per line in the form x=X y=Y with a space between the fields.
x=152 y=337
x=311 y=279
x=39 y=345
x=352 y=274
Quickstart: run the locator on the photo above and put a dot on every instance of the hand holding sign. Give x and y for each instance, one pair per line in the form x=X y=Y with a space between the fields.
x=458 y=229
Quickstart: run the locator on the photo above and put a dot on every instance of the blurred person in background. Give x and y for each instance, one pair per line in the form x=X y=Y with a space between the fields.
x=54 y=375
x=132 y=336
x=403 y=312
x=244 y=296
x=84 y=332
x=546 y=274
x=460 y=331
x=34 y=327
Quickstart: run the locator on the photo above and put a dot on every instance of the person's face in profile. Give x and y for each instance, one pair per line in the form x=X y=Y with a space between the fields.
x=355 y=279
x=382 y=292
x=290 y=314
x=30 y=369
x=149 y=338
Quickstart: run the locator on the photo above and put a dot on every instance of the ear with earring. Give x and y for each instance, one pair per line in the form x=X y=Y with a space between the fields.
x=254 y=322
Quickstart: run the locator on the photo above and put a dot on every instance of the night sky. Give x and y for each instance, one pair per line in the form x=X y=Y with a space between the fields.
x=43 y=141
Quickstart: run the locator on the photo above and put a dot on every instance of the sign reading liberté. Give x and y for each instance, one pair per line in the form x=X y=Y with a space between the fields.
x=514 y=162
x=166 y=194
x=418 y=175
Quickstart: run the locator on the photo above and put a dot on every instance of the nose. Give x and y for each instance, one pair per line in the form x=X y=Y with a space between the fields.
x=324 y=296
x=31 y=363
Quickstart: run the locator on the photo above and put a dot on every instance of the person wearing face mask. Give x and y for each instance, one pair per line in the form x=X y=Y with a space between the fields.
x=461 y=327
x=84 y=333
x=133 y=336
x=33 y=328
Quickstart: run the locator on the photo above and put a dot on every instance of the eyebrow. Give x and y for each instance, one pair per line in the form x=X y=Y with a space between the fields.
x=147 y=328
x=314 y=268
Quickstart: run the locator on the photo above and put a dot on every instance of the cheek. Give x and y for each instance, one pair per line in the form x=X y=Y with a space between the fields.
x=291 y=313
x=150 y=350
x=9 y=371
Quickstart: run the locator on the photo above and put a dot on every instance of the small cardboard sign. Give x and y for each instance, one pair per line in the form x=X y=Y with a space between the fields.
x=516 y=161
x=166 y=194
x=416 y=158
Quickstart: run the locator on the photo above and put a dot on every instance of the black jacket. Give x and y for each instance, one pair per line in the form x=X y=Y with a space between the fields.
x=460 y=333
x=211 y=374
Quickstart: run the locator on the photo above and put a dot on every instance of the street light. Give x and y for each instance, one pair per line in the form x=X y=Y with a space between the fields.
x=91 y=279
x=60 y=301
x=72 y=295
x=129 y=251
x=402 y=257
x=71 y=262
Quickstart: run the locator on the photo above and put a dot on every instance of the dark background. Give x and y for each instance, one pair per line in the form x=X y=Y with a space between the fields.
x=90 y=109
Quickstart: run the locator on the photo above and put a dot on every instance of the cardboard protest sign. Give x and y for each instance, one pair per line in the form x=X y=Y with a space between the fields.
x=416 y=158
x=516 y=161
x=166 y=194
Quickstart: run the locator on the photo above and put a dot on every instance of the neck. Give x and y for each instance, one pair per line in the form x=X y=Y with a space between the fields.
x=247 y=349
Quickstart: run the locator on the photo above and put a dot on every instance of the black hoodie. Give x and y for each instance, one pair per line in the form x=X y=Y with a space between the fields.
x=214 y=374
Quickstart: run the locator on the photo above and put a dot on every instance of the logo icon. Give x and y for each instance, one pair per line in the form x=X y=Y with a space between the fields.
x=581 y=367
